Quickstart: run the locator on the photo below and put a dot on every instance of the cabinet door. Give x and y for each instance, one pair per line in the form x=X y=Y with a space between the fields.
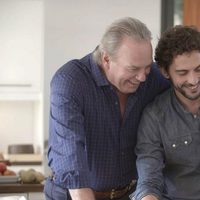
x=14 y=195
x=21 y=45
x=36 y=196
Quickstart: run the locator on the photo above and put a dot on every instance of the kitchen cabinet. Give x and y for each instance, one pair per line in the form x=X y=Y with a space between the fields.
x=21 y=73
x=29 y=191
x=21 y=49
x=36 y=196
x=14 y=194
x=28 y=196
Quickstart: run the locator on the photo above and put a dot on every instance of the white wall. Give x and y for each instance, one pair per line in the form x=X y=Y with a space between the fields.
x=74 y=28
x=21 y=61
x=21 y=41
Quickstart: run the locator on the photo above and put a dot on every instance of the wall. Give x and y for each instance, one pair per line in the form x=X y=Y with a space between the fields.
x=74 y=28
x=21 y=52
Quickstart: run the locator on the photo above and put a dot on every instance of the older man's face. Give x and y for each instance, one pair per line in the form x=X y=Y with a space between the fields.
x=130 y=66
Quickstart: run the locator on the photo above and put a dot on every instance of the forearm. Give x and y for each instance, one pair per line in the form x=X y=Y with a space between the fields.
x=150 y=197
x=82 y=194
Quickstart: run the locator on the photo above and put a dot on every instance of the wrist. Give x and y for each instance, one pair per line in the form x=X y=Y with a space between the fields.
x=82 y=194
x=150 y=197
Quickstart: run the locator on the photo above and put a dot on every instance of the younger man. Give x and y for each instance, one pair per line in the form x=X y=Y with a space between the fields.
x=168 y=146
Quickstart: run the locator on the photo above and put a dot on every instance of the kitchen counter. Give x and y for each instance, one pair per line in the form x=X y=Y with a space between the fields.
x=24 y=159
x=20 y=188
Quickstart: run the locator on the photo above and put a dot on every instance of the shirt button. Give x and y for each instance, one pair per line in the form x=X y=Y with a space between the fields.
x=173 y=145
x=116 y=103
x=186 y=142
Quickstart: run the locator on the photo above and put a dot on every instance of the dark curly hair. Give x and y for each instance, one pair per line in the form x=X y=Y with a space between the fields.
x=176 y=41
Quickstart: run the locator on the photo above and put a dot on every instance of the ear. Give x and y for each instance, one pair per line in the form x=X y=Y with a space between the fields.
x=105 y=60
x=164 y=72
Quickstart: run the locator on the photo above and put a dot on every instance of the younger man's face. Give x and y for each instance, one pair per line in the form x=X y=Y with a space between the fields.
x=184 y=74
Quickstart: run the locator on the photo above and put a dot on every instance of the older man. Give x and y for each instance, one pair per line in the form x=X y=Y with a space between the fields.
x=96 y=104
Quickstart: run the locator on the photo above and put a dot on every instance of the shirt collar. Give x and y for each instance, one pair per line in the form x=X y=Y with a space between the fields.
x=97 y=74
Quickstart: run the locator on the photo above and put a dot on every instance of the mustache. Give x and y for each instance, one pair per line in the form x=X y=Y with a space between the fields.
x=192 y=85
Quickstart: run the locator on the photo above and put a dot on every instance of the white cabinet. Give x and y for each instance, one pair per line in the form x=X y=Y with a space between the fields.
x=21 y=49
x=21 y=73
x=14 y=195
x=28 y=196
x=36 y=196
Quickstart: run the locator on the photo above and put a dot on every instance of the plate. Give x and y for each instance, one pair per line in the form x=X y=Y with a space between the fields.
x=9 y=179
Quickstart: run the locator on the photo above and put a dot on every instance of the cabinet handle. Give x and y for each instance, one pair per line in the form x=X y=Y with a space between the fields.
x=15 y=85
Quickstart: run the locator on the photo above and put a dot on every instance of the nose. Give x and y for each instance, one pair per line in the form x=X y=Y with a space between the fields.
x=193 y=79
x=141 y=77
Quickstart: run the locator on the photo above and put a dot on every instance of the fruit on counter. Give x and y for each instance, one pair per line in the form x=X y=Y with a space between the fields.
x=3 y=167
x=27 y=176
x=9 y=172
x=4 y=171
x=31 y=176
x=39 y=177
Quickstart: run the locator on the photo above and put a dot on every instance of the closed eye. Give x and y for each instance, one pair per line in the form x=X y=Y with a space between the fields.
x=197 y=69
x=133 y=69
x=181 y=72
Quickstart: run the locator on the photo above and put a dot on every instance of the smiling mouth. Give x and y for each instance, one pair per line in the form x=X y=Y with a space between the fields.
x=193 y=88
x=134 y=84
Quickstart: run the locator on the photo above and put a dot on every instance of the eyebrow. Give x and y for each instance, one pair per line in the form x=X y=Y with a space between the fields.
x=133 y=66
x=184 y=70
x=181 y=70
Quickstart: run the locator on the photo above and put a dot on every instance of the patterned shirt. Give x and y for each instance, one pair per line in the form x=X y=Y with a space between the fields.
x=89 y=146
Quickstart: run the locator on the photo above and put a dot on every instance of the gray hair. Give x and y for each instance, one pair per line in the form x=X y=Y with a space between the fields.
x=116 y=32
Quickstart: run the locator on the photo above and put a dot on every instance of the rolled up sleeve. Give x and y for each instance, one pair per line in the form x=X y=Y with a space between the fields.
x=67 y=155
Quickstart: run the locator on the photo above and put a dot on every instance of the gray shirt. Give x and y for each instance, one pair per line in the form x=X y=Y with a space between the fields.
x=168 y=151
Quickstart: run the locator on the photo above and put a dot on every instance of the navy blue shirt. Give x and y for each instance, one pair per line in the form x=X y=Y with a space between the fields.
x=89 y=146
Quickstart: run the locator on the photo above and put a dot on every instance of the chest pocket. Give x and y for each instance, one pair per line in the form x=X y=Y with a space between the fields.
x=179 y=149
x=182 y=141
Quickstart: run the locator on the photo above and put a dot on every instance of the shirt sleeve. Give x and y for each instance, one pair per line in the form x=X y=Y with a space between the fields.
x=150 y=157
x=67 y=153
x=155 y=84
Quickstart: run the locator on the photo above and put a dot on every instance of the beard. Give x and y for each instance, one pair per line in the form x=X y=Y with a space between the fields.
x=193 y=95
